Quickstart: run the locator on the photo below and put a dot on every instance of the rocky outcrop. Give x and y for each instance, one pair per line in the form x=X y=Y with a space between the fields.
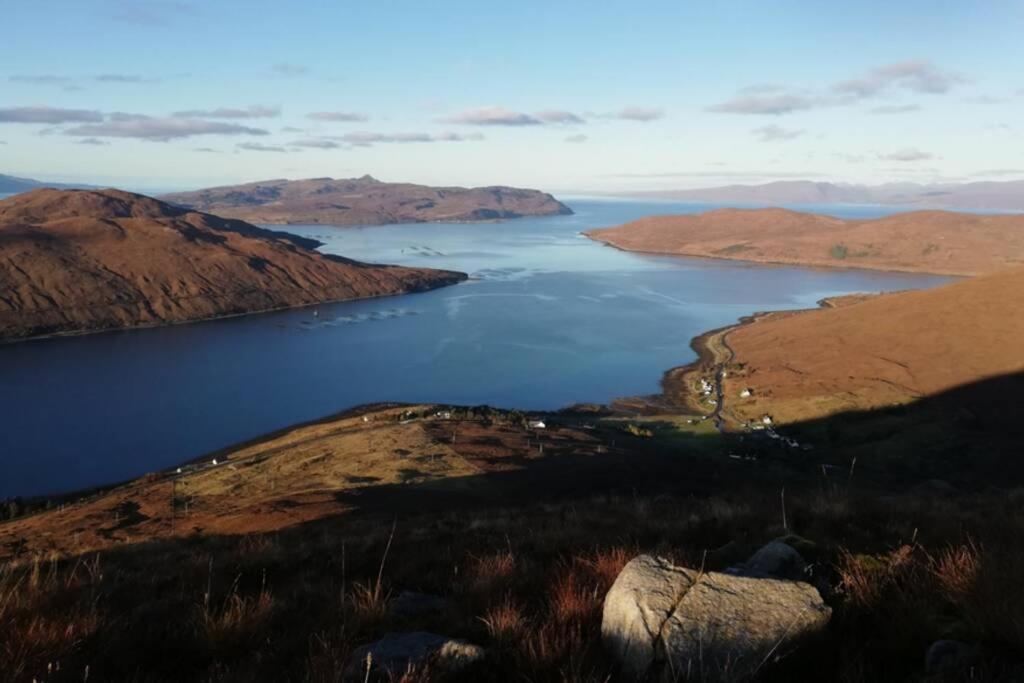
x=397 y=652
x=78 y=261
x=366 y=201
x=666 y=622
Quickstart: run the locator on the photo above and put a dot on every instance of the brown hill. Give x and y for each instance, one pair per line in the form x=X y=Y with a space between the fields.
x=920 y=241
x=366 y=201
x=868 y=353
x=77 y=261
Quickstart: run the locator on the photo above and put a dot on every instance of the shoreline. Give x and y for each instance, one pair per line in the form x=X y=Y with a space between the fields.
x=150 y=326
x=769 y=262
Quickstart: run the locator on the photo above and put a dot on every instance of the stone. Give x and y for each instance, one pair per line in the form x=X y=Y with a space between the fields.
x=663 y=622
x=396 y=652
x=945 y=656
x=638 y=604
x=777 y=559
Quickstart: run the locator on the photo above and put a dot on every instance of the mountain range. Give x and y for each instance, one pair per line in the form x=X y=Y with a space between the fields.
x=989 y=195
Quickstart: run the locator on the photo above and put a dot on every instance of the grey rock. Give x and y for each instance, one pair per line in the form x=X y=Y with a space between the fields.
x=396 y=652
x=665 y=622
x=639 y=603
x=778 y=560
x=945 y=656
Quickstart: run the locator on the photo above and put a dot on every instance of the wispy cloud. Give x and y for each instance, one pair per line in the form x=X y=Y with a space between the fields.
x=42 y=79
x=366 y=139
x=259 y=147
x=493 y=116
x=920 y=76
x=316 y=143
x=916 y=76
x=558 y=116
x=576 y=138
x=641 y=114
x=48 y=115
x=337 y=116
x=907 y=154
x=1001 y=172
x=251 y=112
x=138 y=126
x=92 y=141
x=775 y=133
x=896 y=109
x=761 y=103
x=123 y=78
x=289 y=70
x=207 y=150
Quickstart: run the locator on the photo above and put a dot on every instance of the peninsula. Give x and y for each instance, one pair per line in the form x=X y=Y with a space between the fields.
x=940 y=242
x=366 y=201
x=84 y=261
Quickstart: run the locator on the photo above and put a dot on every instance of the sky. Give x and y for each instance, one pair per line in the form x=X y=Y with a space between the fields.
x=561 y=95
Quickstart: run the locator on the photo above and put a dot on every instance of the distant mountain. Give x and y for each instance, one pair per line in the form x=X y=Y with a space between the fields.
x=82 y=260
x=12 y=185
x=917 y=241
x=365 y=201
x=1002 y=195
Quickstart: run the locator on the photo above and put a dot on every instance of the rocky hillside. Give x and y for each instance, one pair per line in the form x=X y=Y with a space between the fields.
x=920 y=241
x=366 y=201
x=78 y=261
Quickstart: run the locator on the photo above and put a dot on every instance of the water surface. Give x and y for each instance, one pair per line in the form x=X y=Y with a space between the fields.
x=550 y=318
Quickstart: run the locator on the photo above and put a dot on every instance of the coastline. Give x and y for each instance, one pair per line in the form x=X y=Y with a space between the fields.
x=770 y=262
x=149 y=326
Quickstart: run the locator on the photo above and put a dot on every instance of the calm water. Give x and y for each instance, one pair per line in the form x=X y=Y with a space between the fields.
x=551 y=318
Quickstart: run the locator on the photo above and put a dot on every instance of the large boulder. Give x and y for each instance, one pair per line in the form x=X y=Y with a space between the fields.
x=778 y=560
x=666 y=622
x=397 y=652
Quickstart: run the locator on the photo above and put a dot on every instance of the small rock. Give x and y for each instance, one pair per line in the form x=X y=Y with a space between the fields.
x=777 y=559
x=661 y=621
x=396 y=652
x=945 y=656
x=413 y=604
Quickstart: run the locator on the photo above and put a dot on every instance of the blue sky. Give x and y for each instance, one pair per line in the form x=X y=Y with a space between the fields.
x=167 y=94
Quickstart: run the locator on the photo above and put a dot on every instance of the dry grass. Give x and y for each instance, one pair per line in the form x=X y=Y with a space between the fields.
x=527 y=583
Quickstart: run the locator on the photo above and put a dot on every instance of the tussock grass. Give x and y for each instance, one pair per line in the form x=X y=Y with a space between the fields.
x=527 y=583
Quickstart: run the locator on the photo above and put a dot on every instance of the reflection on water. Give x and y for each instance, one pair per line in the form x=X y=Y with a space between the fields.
x=547 y=320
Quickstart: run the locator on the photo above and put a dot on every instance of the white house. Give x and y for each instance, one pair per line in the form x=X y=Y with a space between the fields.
x=746 y=393
x=767 y=419
x=538 y=424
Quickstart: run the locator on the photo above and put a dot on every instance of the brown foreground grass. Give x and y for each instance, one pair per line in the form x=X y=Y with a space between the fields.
x=527 y=582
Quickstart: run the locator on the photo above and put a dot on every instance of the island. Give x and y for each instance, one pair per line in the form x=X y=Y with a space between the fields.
x=366 y=201
x=74 y=261
x=939 y=242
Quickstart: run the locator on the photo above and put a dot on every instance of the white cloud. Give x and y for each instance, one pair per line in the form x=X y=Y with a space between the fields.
x=907 y=154
x=641 y=114
x=142 y=127
x=259 y=147
x=494 y=116
x=896 y=109
x=337 y=116
x=254 y=111
x=775 y=133
x=48 y=115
